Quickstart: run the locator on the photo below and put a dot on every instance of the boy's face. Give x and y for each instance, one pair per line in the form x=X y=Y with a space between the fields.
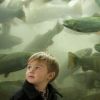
x=37 y=72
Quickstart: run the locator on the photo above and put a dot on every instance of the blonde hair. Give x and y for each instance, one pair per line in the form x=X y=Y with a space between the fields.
x=51 y=62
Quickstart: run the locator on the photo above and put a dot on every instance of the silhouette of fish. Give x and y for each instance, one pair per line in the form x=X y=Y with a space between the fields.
x=13 y=62
x=97 y=47
x=85 y=24
x=9 y=41
x=87 y=63
x=7 y=14
x=42 y=42
x=83 y=52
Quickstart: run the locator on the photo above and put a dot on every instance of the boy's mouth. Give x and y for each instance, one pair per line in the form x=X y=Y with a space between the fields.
x=31 y=76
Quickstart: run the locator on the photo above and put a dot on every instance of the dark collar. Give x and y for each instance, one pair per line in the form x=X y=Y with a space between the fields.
x=32 y=93
x=53 y=90
x=30 y=90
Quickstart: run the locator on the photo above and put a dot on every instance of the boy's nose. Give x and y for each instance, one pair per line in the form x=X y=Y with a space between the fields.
x=32 y=70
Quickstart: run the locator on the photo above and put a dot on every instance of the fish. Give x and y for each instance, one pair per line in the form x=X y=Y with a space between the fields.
x=97 y=47
x=86 y=63
x=6 y=17
x=42 y=42
x=84 y=52
x=9 y=41
x=7 y=14
x=85 y=24
x=87 y=79
x=79 y=53
x=13 y=62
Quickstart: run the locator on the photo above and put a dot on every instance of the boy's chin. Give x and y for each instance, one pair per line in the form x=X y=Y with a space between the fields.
x=30 y=81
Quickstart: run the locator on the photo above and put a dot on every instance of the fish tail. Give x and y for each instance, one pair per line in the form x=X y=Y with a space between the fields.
x=72 y=61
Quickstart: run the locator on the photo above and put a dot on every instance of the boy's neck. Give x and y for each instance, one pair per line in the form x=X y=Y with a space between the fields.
x=41 y=87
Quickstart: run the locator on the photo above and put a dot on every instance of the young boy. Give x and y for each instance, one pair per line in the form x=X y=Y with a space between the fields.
x=42 y=69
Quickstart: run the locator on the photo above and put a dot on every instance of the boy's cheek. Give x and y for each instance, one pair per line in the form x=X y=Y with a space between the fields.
x=26 y=74
x=27 y=71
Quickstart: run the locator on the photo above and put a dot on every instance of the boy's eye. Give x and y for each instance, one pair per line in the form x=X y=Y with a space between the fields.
x=28 y=67
x=37 y=67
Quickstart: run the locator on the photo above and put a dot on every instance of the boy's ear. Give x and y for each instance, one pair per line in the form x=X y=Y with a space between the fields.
x=51 y=75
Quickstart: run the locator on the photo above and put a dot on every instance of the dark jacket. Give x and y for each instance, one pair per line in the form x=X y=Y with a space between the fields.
x=28 y=92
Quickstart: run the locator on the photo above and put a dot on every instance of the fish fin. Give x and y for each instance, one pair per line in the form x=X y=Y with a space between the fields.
x=72 y=61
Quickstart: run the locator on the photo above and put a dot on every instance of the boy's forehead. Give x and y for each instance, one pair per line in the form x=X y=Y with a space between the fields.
x=42 y=62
